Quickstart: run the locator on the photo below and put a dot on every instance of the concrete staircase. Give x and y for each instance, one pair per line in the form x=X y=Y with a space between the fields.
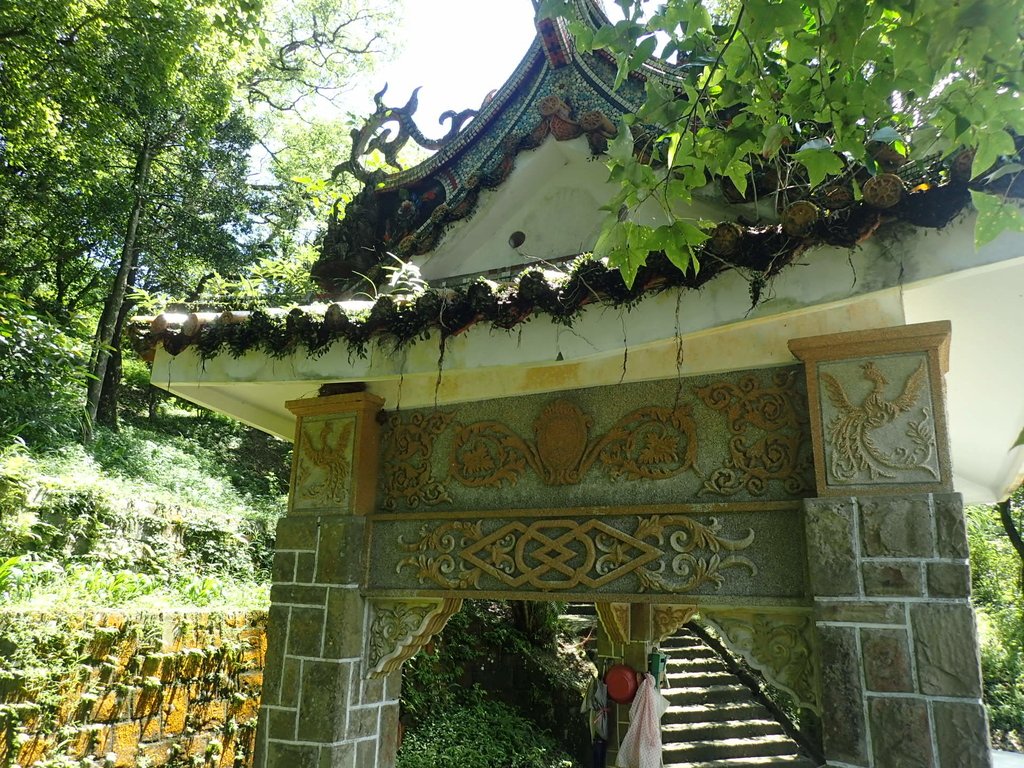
x=713 y=719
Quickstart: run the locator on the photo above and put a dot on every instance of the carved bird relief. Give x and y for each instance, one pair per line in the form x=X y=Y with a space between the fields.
x=851 y=433
x=324 y=468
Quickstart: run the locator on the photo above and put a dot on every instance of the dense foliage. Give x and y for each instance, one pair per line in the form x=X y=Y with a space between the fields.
x=997 y=580
x=789 y=98
x=147 y=516
x=128 y=133
x=499 y=688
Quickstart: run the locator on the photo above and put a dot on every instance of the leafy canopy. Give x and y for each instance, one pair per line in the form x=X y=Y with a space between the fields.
x=808 y=88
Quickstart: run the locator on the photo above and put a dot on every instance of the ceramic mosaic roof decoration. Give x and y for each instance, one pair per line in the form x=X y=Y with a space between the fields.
x=555 y=93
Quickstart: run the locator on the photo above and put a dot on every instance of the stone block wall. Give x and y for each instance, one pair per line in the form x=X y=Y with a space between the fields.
x=896 y=635
x=152 y=690
x=318 y=708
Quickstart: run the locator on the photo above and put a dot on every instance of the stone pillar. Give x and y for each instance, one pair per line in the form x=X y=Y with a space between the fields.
x=887 y=555
x=319 y=709
x=901 y=682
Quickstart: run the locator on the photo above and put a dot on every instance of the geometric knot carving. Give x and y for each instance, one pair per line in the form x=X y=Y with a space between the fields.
x=767 y=424
x=649 y=443
x=400 y=628
x=779 y=644
x=663 y=553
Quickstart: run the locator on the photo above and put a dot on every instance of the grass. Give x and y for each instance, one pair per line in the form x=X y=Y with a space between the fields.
x=178 y=510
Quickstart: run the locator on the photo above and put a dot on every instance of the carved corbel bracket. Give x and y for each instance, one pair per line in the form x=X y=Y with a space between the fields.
x=401 y=627
x=615 y=620
x=779 y=644
x=667 y=619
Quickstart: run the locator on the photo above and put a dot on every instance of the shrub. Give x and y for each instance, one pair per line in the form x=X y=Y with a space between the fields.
x=483 y=734
x=1002 y=667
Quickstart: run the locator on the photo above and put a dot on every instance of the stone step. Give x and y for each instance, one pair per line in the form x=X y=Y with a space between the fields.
x=700 y=678
x=720 y=729
x=717 y=749
x=695 y=663
x=711 y=694
x=691 y=654
x=792 y=761
x=580 y=609
x=709 y=713
x=682 y=639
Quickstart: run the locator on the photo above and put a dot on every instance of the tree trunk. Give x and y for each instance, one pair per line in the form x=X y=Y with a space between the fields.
x=106 y=413
x=1012 y=532
x=106 y=327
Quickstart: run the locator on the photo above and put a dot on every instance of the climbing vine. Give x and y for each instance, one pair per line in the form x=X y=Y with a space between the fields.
x=783 y=101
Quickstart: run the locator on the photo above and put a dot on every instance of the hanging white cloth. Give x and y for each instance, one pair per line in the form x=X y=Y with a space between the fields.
x=641 y=748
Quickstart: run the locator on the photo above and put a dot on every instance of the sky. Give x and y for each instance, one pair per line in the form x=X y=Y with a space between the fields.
x=458 y=50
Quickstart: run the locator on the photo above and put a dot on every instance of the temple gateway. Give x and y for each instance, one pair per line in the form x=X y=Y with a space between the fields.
x=779 y=443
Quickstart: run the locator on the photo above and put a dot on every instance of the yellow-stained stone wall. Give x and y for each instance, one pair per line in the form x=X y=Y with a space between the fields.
x=151 y=690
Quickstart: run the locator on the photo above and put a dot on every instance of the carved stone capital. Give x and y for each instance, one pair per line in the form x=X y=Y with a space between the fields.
x=400 y=628
x=877 y=409
x=779 y=644
x=337 y=445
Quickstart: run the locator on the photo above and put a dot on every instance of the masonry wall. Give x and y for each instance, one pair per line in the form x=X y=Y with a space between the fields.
x=901 y=683
x=176 y=689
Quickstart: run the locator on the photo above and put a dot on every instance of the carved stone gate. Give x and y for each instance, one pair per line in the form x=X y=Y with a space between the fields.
x=805 y=511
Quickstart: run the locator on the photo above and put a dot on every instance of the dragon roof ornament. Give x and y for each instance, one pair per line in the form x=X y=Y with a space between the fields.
x=373 y=136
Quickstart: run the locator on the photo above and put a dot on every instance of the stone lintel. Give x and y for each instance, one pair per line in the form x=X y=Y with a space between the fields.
x=337 y=446
x=877 y=407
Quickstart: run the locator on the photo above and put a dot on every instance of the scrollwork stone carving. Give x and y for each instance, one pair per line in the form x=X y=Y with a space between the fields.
x=407 y=455
x=778 y=644
x=768 y=439
x=614 y=619
x=667 y=619
x=400 y=628
x=651 y=443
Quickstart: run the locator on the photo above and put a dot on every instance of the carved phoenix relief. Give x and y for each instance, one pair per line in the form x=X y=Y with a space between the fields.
x=650 y=443
x=853 y=433
x=324 y=464
x=663 y=553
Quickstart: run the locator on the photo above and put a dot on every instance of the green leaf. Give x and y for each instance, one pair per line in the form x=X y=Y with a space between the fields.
x=1019 y=441
x=673 y=146
x=774 y=138
x=886 y=135
x=995 y=216
x=644 y=51
x=738 y=172
x=1004 y=170
x=819 y=163
x=991 y=144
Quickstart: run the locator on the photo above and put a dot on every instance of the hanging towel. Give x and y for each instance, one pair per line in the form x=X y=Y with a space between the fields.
x=641 y=748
